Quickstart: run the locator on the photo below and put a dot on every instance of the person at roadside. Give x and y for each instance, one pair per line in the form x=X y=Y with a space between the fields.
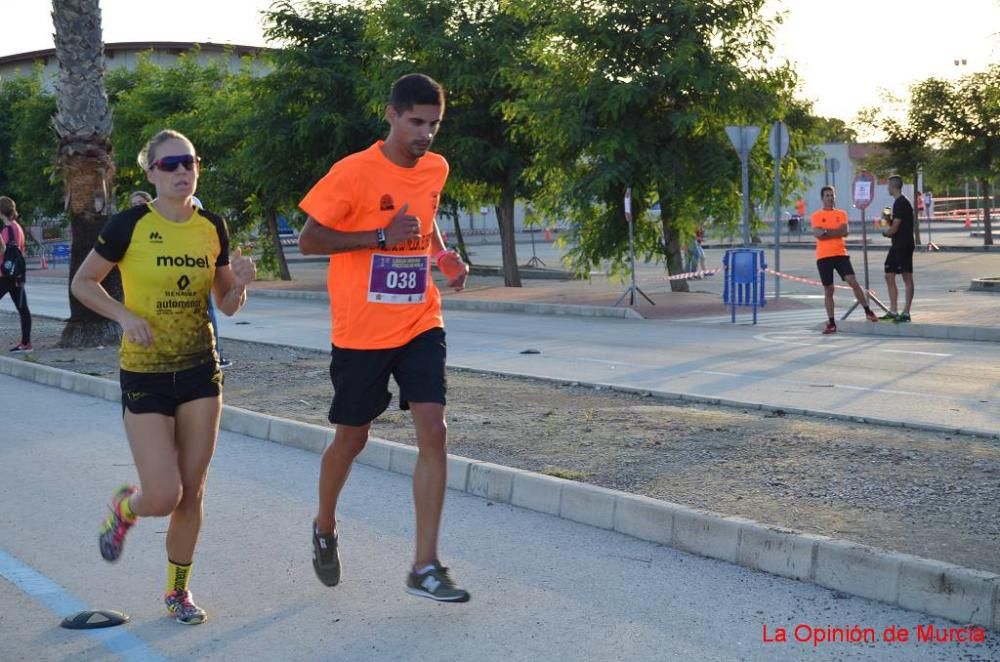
x=374 y=215
x=12 y=232
x=830 y=227
x=899 y=260
x=696 y=253
x=171 y=255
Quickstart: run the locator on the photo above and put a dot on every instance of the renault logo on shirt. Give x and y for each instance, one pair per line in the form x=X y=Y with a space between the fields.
x=183 y=282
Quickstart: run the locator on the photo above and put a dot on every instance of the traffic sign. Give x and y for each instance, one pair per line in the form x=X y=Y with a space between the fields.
x=863 y=189
x=743 y=138
x=628 y=204
x=778 y=140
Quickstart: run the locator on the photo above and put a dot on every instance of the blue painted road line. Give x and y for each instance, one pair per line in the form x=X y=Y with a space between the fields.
x=62 y=604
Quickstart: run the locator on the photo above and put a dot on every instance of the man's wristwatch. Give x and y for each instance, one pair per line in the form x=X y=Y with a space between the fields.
x=380 y=237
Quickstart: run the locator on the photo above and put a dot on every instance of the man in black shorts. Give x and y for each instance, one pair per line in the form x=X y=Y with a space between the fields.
x=830 y=229
x=900 y=257
x=374 y=215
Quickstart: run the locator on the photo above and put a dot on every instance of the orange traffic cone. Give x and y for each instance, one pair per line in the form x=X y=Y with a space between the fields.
x=548 y=234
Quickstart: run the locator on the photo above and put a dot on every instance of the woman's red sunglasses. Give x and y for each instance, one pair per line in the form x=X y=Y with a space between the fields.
x=170 y=163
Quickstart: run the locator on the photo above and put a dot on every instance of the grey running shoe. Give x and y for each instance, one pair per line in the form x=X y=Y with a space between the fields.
x=326 y=557
x=185 y=611
x=889 y=317
x=435 y=584
x=903 y=317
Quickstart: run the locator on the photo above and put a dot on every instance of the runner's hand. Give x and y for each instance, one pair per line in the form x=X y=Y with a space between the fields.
x=456 y=264
x=243 y=268
x=136 y=329
x=402 y=227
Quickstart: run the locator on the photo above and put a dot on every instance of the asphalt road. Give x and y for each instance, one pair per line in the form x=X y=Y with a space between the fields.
x=543 y=588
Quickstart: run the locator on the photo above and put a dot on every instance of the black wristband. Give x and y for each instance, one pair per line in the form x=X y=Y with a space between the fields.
x=380 y=237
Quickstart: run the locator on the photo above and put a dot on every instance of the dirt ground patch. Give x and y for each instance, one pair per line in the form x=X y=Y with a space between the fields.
x=929 y=494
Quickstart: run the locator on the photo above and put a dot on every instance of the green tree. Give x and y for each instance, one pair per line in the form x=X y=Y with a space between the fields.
x=473 y=48
x=905 y=142
x=963 y=118
x=311 y=110
x=638 y=93
x=83 y=123
x=831 y=130
x=27 y=145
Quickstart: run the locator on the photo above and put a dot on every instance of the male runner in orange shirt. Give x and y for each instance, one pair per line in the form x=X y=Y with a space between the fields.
x=830 y=229
x=373 y=214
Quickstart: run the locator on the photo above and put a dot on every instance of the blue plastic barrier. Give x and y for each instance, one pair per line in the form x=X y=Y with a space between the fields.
x=60 y=253
x=744 y=279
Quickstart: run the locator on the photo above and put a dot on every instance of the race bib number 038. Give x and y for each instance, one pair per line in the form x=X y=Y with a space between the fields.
x=398 y=278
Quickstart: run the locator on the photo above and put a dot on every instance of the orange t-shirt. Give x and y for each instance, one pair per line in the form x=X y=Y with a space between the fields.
x=832 y=219
x=380 y=299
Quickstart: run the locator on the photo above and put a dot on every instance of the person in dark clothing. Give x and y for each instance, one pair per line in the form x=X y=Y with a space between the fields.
x=900 y=257
x=11 y=231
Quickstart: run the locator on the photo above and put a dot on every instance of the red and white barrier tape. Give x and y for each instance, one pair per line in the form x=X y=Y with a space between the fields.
x=694 y=274
x=809 y=281
x=797 y=279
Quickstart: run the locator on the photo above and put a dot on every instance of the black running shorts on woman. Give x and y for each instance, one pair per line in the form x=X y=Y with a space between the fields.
x=361 y=377
x=164 y=392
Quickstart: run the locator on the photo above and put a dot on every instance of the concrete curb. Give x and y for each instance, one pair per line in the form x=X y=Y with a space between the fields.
x=452 y=303
x=917 y=330
x=940 y=589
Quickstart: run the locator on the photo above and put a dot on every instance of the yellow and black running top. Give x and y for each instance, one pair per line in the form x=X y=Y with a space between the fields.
x=167 y=271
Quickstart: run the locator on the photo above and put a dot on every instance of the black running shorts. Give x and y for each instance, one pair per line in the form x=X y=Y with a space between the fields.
x=899 y=260
x=361 y=377
x=826 y=266
x=163 y=392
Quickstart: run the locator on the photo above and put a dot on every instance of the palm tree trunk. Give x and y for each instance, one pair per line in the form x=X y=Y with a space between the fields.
x=83 y=123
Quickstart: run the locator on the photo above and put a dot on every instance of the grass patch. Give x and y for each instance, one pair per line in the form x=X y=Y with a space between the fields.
x=568 y=474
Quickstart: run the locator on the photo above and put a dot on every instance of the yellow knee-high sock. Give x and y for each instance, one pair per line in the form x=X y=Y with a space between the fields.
x=177 y=576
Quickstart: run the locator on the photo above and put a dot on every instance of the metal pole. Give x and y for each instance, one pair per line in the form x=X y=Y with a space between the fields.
x=631 y=252
x=864 y=246
x=777 y=210
x=966 y=201
x=979 y=218
x=744 y=158
x=930 y=239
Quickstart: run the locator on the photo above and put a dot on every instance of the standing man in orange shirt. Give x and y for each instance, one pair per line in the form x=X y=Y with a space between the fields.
x=830 y=229
x=373 y=214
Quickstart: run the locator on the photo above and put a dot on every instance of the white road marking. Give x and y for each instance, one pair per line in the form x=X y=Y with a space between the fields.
x=907 y=351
